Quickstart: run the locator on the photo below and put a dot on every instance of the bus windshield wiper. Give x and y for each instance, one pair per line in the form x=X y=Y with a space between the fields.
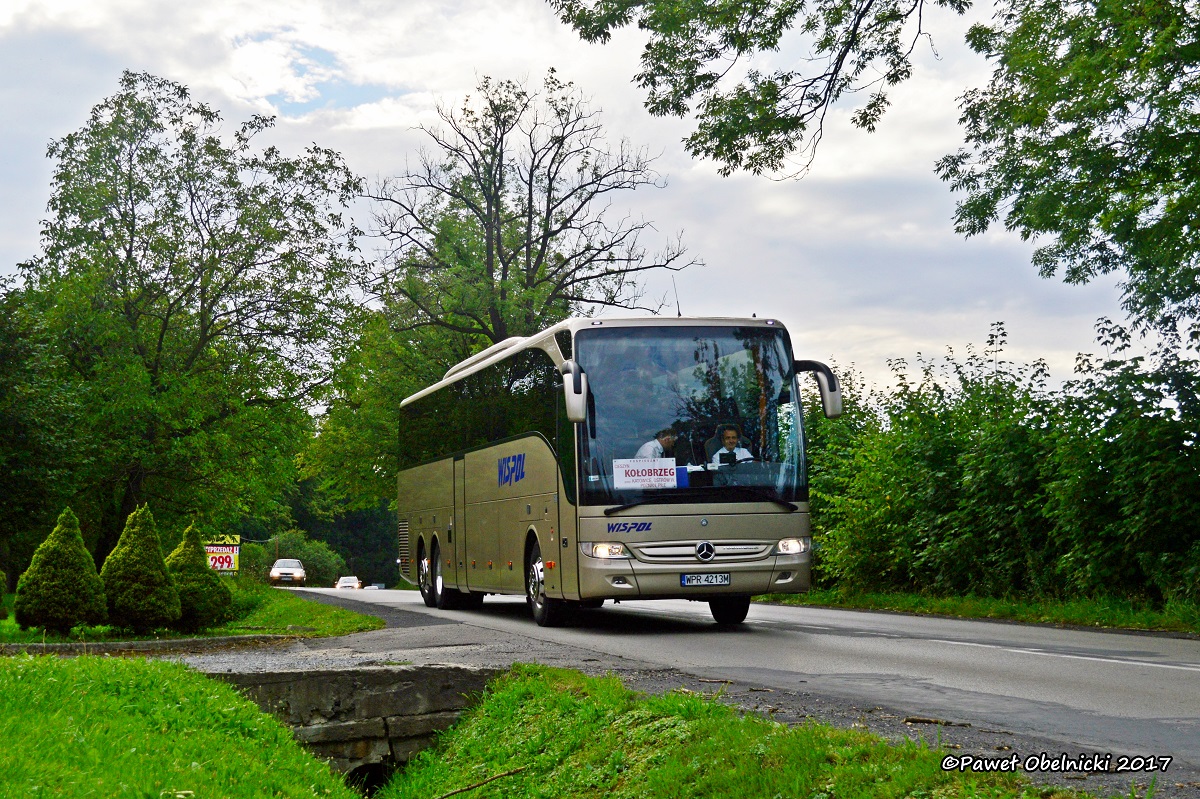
x=666 y=499
x=759 y=493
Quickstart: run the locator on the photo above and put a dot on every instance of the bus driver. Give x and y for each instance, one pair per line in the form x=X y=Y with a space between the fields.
x=729 y=448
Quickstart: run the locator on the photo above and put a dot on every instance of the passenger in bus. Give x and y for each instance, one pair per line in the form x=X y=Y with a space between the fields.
x=730 y=450
x=661 y=446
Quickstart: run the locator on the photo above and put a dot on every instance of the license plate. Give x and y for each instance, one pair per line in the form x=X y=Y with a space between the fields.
x=689 y=580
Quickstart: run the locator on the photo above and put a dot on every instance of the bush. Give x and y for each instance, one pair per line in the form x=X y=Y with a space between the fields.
x=321 y=563
x=253 y=563
x=141 y=596
x=248 y=595
x=61 y=589
x=980 y=480
x=204 y=600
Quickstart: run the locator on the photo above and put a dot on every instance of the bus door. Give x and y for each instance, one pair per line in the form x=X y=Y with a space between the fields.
x=458 y=545
x=562 y=514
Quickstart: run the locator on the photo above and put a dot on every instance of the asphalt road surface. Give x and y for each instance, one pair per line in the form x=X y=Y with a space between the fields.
x=991 y=688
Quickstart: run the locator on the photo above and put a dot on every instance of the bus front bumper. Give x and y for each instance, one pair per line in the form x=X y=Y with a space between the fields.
x=627 y=578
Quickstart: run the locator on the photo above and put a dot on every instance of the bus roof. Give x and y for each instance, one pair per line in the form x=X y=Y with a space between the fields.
x=545 y=341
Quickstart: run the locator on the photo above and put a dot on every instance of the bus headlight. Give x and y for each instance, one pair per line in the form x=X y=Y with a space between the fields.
x=792 y=546
x=606 y=549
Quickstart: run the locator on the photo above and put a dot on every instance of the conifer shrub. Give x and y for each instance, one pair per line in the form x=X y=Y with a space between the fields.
x=204 y=600
x=61 y=589
x=3 y=585
x=141 y=595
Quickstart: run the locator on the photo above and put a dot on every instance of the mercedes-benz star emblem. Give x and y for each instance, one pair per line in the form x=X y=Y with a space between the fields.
x=705 y=551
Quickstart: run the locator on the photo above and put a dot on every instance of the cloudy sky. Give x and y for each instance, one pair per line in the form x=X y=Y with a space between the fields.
x=859 y=259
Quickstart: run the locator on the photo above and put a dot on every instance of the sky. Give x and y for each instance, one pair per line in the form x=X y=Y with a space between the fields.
x=859 y=259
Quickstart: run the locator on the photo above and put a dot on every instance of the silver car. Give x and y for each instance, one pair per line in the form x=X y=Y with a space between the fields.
x=287 y=571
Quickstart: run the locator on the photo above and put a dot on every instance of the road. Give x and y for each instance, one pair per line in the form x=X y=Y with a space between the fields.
x=1137 y=694
x=1065 y=690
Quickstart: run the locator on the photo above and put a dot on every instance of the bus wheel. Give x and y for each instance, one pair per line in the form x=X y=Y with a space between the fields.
x=445 y=598
x=547 y=612
x=425 y=578
x=730 y=610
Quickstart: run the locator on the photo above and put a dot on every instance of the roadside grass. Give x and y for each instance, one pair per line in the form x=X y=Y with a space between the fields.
x=1109 y=612
x=263 y=610
x=543 y=732
x=259 y=610
x=127 y=727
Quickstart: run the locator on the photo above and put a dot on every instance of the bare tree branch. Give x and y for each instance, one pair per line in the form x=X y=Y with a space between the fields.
x=506 y=226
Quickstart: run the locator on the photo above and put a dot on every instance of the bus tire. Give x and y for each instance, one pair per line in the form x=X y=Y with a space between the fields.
x=730 y=609
x=546 y=611
x=425 y=578
x=445 y=598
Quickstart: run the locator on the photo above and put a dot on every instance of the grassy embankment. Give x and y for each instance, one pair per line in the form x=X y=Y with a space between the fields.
x=116 y=727
x=259 y=610
x=1173 y=616
x=542 y=732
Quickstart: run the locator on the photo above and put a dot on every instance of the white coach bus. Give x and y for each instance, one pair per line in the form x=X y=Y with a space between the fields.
x=612 y=459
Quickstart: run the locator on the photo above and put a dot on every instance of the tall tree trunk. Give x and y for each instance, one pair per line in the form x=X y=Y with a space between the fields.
x=116 y=514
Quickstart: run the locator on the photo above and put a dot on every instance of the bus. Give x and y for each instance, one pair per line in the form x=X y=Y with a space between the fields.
x=612 y=459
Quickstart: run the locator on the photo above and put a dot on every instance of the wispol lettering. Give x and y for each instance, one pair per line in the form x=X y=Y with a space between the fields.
x=629 y=527
x=510 y=469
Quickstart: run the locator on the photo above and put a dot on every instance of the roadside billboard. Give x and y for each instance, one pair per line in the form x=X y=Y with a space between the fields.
x=223 y=553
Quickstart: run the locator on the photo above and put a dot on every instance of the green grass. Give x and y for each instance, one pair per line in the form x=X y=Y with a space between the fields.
x=265 y=610
x=115 y=727
x=558 y=734
x=260 y=609
x=1110 y=612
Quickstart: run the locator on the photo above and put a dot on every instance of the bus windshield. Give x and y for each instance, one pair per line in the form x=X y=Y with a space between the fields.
x=689 y=414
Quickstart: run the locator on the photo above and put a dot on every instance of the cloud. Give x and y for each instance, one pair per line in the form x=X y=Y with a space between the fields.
x=859 y=259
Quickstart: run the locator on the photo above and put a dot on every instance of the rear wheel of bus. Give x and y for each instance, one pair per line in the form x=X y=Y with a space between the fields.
x=425 y=577
x=546 y=611
x=445 y=597
x=730 y=610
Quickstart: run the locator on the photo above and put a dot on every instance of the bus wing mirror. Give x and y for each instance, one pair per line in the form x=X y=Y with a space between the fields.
x=831 y=390
x=575 y=389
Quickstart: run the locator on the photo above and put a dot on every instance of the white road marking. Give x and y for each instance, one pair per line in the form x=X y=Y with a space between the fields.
x=1098 y=659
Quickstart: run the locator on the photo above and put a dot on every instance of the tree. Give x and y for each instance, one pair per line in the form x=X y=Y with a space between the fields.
x=1088 y=134
x=39 y=452
x=502 y=231
x=61 y=588
x=321 y=563
x=141 y=595
x=204 y=601
x=195 y=287
x=762 y=121
x=505 y=228
x=355 y=456
x=1124 y=501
